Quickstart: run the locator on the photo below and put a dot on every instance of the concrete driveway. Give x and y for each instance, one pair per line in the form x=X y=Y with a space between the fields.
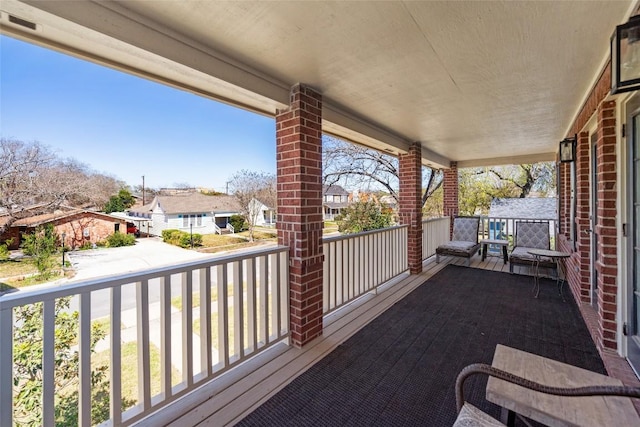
x=145 y=254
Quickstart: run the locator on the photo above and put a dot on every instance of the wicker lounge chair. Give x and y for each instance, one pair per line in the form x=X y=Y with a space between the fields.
x=465 y=239
x=530 y=235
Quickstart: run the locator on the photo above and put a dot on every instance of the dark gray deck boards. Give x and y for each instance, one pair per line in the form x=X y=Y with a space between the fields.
x=401 y=368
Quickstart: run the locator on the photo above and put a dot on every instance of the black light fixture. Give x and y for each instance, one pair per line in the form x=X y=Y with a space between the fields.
x=568 y=150
x=625 y=56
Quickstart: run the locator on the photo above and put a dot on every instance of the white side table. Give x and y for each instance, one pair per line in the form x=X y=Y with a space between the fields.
x=555 y=256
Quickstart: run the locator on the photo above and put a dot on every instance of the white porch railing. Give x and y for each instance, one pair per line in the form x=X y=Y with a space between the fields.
x=217 y=229
x=231 y=229
x=358 y=263
x=232 y=308
x=435 y=231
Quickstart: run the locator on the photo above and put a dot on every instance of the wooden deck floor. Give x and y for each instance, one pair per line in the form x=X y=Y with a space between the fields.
x=231 y=397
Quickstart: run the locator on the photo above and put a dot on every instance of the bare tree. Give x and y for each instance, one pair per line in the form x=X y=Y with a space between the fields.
x=352 y=164
x=33 y=180
x=527 y=177
x=252 y=189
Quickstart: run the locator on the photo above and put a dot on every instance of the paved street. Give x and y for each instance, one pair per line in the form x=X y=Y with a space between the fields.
x=146 y=253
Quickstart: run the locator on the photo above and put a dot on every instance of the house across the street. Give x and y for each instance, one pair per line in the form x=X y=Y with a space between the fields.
x=197 y=212
x=334 y=199
x=79 y=227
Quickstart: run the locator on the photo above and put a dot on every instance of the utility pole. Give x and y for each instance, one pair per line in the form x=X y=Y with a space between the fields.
x=143 y=203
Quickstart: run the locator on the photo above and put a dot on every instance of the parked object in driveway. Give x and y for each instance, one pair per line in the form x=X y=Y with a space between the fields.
x=132 y=229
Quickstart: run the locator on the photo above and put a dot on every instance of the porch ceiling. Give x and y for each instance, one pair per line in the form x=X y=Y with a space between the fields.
x=471 y=81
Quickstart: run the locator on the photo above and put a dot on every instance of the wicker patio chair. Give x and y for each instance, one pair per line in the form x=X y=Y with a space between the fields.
x=469 y=415
x=530 y=235
x=465 y=239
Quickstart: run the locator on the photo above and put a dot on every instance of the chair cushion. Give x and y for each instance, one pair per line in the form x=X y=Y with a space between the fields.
x=466 y=229
x=470 y=416
x=534 y=235
x=521 y=255
x=458 y=248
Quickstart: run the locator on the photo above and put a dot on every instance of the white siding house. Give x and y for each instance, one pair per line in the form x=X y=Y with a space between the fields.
x=206 y=214
x=265 y=214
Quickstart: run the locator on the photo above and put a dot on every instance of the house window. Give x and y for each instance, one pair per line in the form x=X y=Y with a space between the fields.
x=336 y=199
x=199 y=220
x=185 y=221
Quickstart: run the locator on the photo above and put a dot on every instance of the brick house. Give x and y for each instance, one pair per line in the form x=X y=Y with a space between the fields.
x=79 y=227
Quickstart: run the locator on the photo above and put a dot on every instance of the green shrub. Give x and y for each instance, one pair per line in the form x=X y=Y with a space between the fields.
x=118 y=239
x=181 y=238
x=185 y=240
x=40 y=246
x=86 y=245
x=238 y=223
x=4 y=250
x=171 y=236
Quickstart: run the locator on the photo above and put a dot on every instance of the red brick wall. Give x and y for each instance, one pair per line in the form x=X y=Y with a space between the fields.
x=96 y=226
x=410 y=209
x=583 y=244
x=578 y=266
x=450 y=186
x=299 y=224
x=607 y=264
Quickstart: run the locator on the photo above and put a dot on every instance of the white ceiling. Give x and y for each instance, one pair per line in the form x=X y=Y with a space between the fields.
x=474 y=82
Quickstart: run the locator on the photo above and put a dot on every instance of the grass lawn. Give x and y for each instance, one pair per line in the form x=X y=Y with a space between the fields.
x=11 y=268
x=215 y=240
x=15 y=270
x=330 y=227
x=259 y=235
x=130 y=369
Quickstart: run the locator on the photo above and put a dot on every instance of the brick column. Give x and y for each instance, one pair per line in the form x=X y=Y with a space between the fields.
x=299 y=223
x=583 y=244
x=451 y=190
x=607 y=233
x=410 y=209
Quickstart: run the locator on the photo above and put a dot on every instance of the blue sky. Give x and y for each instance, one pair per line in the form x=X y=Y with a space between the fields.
x=125 y=126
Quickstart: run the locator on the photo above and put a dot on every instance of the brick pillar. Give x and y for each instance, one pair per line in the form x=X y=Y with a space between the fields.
x=450 y=197
x=410 y=209
x=299 y=223
x=606 y=227
x=583 y=244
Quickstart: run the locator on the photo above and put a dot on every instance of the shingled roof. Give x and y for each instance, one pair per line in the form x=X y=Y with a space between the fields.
x=334 y=190
x=195 y=203
x=527 y=208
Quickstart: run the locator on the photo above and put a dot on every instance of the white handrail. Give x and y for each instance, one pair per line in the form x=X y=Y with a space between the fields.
x=243 y=297
x=435 y=231
x=355 y=264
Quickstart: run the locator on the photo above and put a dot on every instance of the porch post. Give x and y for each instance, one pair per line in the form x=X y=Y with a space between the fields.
x=410 y=209
x=607 y=264
x=450 y=199
x=299 y=213
x=583 y=244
